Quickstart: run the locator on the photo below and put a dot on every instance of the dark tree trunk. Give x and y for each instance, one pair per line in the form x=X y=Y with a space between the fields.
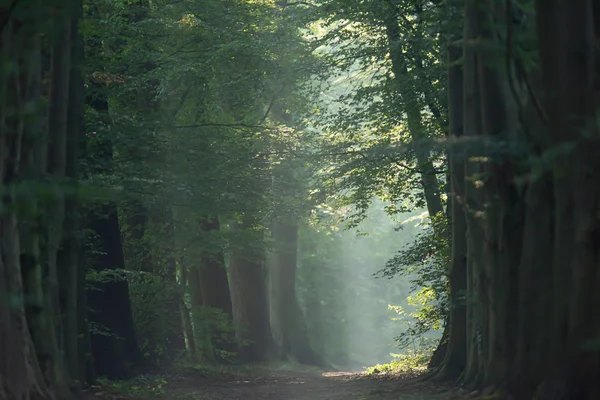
x=215 y=288
x=110 y=304
x=69 y=256
x=201 y=332
x=454 y=339
x=31 y=334
x=249 y=298
x=566 y=32
x=289 y=325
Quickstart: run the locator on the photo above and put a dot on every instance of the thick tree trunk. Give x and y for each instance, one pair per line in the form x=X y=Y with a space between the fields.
x=58 y=116
x=454 y=361
x=287 y=320
x=566 y=32
x=20 y=374
x=33 y=158
x=71 y=249
x=534 y=316
x=213 y=274
x=110 y=303
x=200 y=320
x=473 y=204
x=546 y=235
x=215 y=289
x=503 y=202
x=249 y=296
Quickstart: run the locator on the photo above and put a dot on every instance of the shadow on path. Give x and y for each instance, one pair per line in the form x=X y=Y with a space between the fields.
x=290 y=385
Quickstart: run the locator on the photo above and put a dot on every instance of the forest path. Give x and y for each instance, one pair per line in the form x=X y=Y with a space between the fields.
x=292 y=385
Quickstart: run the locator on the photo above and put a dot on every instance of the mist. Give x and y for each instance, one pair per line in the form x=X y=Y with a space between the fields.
x=348 y=307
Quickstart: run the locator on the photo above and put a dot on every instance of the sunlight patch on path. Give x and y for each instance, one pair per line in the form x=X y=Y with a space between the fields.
x=337 y=374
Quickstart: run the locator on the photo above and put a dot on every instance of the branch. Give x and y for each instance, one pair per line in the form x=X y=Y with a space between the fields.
x=296 y=3
x=238 y=125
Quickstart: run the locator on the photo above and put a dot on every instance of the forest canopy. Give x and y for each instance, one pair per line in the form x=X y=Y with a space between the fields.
x=327 y=183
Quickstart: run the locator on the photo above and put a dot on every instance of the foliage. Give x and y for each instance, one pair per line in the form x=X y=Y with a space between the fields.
x=424 y=262
x=191 y=88
x=368 y=148
x=191 y=108
x=213 y=326
x=412 y=362
x=156 y=318
x=420 y=324
x=142 y=386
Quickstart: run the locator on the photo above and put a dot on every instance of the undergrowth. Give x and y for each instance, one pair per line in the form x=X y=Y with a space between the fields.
x=410 y=363
x=140 y=387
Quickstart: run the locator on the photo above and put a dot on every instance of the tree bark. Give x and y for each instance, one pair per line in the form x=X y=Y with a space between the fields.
x=455 y=361
x=215 y=289
x=186 y=318
x=566 y=32
x=110 y=303
x=58 y=116
x=473 y=203
x=21 y=376
x=288 y=323
x=201 y=333
x=249 y=296
x=71 y=249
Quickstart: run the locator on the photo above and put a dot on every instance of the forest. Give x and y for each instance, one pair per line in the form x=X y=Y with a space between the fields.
x=299 y=199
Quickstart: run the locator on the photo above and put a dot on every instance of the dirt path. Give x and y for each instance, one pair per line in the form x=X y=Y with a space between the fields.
x=299 y=386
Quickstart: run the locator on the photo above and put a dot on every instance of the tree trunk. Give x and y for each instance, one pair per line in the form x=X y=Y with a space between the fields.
x=473 y=203
x=249 y=296
x=20 y=373
x=534 y=316
x=566 y=32
x=288 y=323
x=200 y=320
x=71 y=249
x=58 y=116
x=215 y=290
x=114 y=357
x=412 y=107
x=454 y=361
x=186 y=319
x=110 y=304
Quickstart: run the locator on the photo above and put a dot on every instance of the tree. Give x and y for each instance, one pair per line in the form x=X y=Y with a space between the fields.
x=38 y=270
x=288 y=321
x=249 y=293
x=513 y=205
x=114 y=345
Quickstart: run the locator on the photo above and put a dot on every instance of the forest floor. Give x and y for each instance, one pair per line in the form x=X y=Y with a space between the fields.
x=273 y=384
